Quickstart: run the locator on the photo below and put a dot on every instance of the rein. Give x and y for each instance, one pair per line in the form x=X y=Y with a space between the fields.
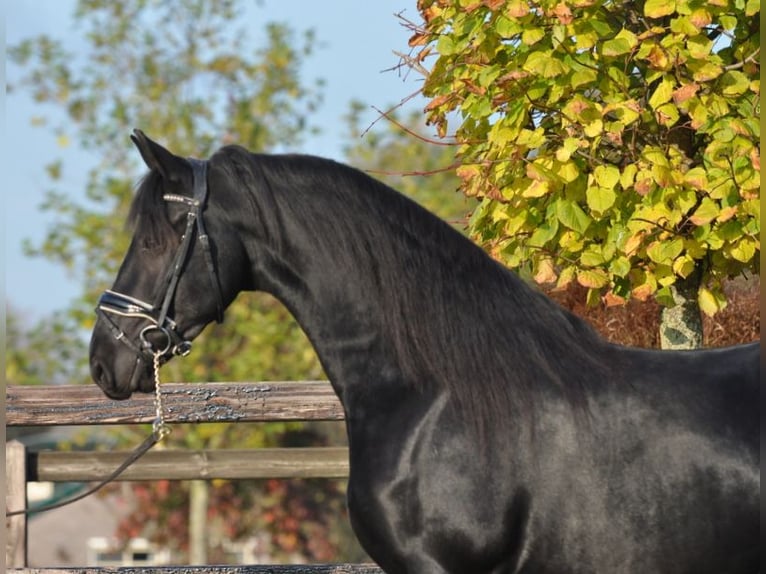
x=159 y=431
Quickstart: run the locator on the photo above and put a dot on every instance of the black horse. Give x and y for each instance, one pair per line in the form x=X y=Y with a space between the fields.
x=489 y=429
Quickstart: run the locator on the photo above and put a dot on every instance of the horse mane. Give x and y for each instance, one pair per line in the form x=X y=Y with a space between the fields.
x=454 y=316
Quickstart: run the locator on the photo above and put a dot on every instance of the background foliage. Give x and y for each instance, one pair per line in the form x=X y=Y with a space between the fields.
x=612 y=144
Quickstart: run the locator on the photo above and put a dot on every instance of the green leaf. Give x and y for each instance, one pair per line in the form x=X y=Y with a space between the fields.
x=592 y=278
x=572 y=216
x=706 y=212
x=664 y=252
x=600 y=198
x=532 y=36
x=734 y=83
x=583 y=76
x=446 y=45
x=544 y=233
x=699 y=46
x=622 y=43
x=543 y=64
x=620 y=266
x=607 y=176
x=592 y=256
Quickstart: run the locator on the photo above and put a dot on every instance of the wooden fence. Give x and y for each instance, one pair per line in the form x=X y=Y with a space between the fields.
x=184 y=403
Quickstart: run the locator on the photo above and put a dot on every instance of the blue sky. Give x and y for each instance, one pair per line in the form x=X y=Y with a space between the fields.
x=356 y=41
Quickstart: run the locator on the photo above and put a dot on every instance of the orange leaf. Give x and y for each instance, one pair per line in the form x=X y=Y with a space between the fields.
x=437 y=101
x=493 y=4
x=613 y=300
x=685 y=92
x=418 y=39
x=563 y=13
x=643 y=292
x=658 y=58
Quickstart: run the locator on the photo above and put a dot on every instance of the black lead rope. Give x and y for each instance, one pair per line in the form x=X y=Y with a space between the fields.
x=142 y=449
x=159 y=431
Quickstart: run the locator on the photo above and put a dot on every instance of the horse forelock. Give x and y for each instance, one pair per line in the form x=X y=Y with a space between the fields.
x=148 y=215
x=454 y=317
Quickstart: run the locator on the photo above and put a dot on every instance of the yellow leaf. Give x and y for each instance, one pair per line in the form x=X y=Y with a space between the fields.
x=567 y=171
x=537 y=188
x=633 y=243
x=708 y=302
x=594 y=129
x=592 y=278
x=659 y=8
x=545 y=272
x=607 y=176
x=628 y=175
x=684 y=266
x=662 y=94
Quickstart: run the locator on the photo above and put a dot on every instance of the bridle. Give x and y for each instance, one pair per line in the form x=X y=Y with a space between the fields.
x=115 y=303
x=111 y=303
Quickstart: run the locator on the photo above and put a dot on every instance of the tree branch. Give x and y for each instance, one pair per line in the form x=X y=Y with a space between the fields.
x=405 y=129
x=750 y=58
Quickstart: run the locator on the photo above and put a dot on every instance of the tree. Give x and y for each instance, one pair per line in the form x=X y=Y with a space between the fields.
x=188 y=72
x=612 y=144
x=38 y=354
x=402 y=156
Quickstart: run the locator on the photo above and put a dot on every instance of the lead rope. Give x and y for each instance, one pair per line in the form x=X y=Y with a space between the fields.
x=160 y=430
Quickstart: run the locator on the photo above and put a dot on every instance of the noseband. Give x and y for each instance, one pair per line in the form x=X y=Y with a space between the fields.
x=113 y=303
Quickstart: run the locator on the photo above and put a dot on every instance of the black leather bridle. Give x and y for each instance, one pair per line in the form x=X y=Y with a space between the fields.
x=111 y=303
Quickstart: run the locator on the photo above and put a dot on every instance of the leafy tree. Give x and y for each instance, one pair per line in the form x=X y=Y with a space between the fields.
x=405 y=158
x=612 y=144
x=38 y=354
x=189 y=72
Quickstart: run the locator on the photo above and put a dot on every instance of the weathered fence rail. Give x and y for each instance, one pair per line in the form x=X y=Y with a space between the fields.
x=184 y=403
x=260 y=569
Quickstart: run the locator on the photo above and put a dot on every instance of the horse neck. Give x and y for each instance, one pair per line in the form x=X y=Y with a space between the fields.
x=330 y=297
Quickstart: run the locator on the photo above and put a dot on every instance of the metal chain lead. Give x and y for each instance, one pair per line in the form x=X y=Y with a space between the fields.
x=160 y=429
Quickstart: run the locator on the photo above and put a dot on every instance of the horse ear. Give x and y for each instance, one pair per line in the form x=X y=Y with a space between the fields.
x=170 y=166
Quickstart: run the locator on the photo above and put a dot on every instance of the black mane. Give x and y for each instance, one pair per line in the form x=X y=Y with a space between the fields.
x=437 y=291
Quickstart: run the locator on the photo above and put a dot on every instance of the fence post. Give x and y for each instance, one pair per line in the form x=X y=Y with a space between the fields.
x=16 y=499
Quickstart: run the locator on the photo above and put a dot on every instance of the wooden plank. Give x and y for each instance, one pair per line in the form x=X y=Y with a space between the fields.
x=255 y=569
x=314 y=462
x=15 y=499
x=53 y=405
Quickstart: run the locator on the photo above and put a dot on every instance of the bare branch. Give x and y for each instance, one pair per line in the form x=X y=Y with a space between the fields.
x=450 y=167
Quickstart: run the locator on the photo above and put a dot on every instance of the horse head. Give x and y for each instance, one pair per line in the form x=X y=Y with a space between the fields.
x=170 y=284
